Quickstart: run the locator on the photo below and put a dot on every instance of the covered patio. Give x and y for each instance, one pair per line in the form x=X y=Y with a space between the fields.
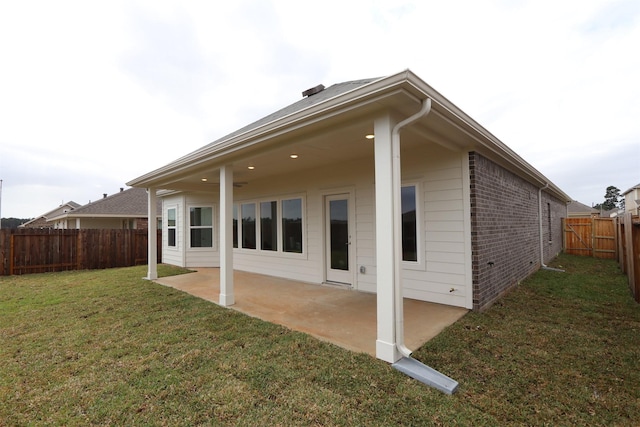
x=341 y=316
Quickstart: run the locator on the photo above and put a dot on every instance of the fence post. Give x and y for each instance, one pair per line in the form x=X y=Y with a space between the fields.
x=11 y=256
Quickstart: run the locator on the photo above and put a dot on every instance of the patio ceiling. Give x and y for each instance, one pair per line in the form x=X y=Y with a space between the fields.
x=336 y=142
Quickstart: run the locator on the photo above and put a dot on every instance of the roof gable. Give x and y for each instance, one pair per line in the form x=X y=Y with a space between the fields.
x=60 y=210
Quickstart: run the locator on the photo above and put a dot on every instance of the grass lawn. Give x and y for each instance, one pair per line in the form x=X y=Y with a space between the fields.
x=105 y=347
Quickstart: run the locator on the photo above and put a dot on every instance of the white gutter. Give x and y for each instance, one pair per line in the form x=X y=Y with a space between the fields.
x=397 y=224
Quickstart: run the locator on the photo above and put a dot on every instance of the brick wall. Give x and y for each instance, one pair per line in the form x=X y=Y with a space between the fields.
x=505 y=235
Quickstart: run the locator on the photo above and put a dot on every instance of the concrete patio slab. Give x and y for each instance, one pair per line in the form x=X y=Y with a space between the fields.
x=341 y=316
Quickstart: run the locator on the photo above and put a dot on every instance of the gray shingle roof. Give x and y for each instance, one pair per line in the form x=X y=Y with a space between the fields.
x=577 y=207
x=330 y=92
x=130 y=202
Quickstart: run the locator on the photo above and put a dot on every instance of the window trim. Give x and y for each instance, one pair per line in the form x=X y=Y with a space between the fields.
x=189 y=227
x=175 y=227
x=280 y=253
x=276 y=221
x=419 y=264
x=241 y=226
x=302 y=225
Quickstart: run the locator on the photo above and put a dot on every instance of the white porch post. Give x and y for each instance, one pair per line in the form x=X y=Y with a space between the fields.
x=152 y=231
x=226 y=236
x=385 y=254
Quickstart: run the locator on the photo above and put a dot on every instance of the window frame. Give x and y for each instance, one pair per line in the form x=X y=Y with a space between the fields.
x=190 y=227
x=419 y=264
x=173 y=227
x=279 y=252
x=261 y=231
x=281 y=236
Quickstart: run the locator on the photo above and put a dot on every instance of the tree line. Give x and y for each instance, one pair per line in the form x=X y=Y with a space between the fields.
x=13 y=222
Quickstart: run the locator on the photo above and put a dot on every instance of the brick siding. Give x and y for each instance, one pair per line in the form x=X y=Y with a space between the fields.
x=505 y=237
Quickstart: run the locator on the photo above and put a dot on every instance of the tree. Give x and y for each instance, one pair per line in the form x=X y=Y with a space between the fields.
x=8 y=223
x=611 y=198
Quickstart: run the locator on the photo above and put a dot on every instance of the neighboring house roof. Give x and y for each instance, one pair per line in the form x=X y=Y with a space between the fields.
x=42 y=219
x=351 y=106
x=130 y=203
x=576 y=208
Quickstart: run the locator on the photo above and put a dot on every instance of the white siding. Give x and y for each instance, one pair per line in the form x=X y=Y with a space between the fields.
x=441 y=274
x=444 y=277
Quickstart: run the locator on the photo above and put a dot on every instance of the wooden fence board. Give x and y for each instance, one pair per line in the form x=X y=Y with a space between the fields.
x=604 y=238
x=615 y=238
x=594 y=237
x=26 y=251
x=630 y=256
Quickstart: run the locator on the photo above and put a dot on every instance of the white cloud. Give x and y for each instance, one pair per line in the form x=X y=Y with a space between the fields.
x=93 y=94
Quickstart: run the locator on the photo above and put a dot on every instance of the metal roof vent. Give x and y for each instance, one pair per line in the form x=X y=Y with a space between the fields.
x=313 y=91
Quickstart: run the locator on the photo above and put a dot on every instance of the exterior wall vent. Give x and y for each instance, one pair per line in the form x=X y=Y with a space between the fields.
x=313 y=91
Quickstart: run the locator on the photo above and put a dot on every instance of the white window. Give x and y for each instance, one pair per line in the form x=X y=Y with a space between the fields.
x=201 y=227
x=248 y=212
x=171 y=227
x=292 y=225
x=269 y=225
x=278 y=230
x=409 y=223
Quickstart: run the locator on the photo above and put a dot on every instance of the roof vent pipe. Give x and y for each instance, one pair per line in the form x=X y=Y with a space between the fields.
x=313 y=91
x=104 y=195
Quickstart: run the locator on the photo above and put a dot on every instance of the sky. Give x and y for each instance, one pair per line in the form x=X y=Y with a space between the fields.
x=96 y=93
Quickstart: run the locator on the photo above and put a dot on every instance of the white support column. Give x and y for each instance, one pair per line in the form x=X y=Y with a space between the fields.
x=226 y=236
x=152 y=231
x=385 y=254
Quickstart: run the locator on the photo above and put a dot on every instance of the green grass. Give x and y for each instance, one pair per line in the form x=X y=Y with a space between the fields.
x=107 y=348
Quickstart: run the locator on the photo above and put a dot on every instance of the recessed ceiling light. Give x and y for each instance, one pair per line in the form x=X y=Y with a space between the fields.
x=369 y=136
x=203 y=179
x=251 y=167
x=293 y=156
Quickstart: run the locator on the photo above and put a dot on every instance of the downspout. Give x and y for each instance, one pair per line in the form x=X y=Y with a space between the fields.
x=542 y=264
x=397 y=224
x=406 y=364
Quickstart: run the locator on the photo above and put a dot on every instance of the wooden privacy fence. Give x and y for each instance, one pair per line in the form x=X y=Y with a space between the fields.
x=595 y=237
x=629 y=250
x=25 y=251
x=615 y=238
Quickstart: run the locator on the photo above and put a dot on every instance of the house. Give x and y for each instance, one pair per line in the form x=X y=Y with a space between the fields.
x=126 y=209
x=42 y=220
x=379 y=185
x=575 y=209
x=632 y=200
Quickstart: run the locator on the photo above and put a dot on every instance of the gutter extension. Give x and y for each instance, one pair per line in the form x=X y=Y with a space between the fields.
x=542 y=264
x=408 y=365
